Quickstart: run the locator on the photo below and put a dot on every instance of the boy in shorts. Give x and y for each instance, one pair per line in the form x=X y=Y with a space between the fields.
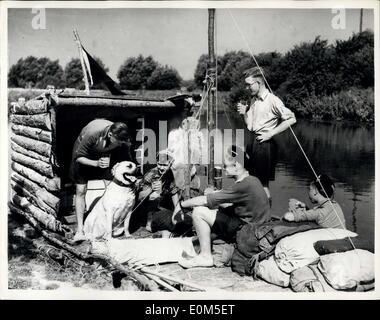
x=91 y=160
x=211 y=215
x=265 y=117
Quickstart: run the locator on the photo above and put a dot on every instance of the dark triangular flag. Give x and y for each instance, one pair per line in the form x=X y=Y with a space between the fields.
x=98 y=75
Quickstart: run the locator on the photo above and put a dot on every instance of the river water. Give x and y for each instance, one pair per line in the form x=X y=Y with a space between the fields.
x=345 y=152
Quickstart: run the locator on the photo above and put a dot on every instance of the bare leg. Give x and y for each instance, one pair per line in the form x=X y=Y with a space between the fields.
x=80 y=206
x=203 y=219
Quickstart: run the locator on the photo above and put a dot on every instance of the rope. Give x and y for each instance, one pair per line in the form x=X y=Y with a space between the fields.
x=216 y=72
x=290 y=127
x=139 y=204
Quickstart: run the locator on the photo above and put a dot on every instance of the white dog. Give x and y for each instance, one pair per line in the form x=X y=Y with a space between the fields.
x=111 y=215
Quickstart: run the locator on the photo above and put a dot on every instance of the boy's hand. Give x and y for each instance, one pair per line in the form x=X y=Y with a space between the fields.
x=295 y=204
x=242 y=108
x=264 y=137
x=154 y=195
x=288 y=216
x=157 y=186
x=104 y=162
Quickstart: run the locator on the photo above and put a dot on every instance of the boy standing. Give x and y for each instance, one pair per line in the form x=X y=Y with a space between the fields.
x=265 y=117
x=91 y=159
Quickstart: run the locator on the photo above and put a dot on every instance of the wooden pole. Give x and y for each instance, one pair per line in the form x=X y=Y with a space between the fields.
x=211 y=74
x=361 y=21
x=77 y=40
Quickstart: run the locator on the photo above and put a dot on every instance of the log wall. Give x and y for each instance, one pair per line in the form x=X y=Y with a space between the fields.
x=34 y=182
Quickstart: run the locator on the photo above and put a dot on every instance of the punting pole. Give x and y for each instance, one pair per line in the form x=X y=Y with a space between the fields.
x=211 y=102
x=77 y=40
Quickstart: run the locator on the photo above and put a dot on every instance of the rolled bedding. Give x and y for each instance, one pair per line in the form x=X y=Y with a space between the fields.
x=297 y=250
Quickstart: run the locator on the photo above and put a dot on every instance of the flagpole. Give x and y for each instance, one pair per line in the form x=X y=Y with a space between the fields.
x=77 y=40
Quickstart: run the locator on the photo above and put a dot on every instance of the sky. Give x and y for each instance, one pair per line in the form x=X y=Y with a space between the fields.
x=174 y=37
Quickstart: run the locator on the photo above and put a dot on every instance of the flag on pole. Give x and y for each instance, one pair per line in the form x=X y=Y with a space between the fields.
x=97 y=74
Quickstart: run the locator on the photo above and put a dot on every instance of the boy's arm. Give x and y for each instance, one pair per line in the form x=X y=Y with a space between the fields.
x=306 y=215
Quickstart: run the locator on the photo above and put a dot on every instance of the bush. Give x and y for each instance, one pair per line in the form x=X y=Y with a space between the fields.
x=353 y=104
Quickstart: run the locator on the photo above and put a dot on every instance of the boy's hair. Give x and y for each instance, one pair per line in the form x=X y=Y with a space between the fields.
x=256 y=72
x=324 y=183
x=164 y=157
x=237 y=154
x=120 y=131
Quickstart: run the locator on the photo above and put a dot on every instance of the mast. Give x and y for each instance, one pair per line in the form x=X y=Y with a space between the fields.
x=211 y=102
x=77 y=40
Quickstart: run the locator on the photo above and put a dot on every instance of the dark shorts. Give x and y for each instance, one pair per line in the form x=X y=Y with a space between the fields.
x=263 y=159
x=81 y=174
x=162 y=220
x=227 y=224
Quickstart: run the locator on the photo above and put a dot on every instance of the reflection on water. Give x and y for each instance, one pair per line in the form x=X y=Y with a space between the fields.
x=344 y=152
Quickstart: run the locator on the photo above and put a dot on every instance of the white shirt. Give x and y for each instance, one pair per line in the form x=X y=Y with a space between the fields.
x=266 y=112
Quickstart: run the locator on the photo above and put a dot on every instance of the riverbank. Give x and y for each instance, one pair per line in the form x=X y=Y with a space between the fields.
x=354 y=106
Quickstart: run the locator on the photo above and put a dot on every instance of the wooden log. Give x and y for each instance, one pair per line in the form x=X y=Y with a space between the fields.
x=34 y=133
x=162 y=283
x=41 y=121
x=41 y=193
x=40 y=147
x=48 y=220
x=169 y=278
x=37 y=165
x=158 y=105
x=32 y=154
x=53 y=184
x=141 y=278
x=22 y=192
x=35 y=106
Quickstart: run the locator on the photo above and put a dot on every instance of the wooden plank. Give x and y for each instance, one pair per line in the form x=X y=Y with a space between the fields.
x=48 y=220
x=32 y=154
x=23 y=192
x=40 y=147
x=37 y=165
x=41 y=193
x=35 y=106
x=41 y=121
x=52 y=184
x=31 y=132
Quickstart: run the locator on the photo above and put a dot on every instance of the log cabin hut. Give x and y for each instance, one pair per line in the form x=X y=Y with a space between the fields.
x=44 y=130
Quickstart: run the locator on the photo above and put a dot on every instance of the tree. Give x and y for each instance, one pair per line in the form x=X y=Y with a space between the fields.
x=355 y=60
x=35 y=73
x=164 y=78
x=74 y=74
x=135 y=72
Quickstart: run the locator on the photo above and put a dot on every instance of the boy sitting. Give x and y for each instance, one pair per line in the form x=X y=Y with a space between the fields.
x=327 y=213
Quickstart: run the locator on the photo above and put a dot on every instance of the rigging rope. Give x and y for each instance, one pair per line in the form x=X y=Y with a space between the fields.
x=290 y=127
